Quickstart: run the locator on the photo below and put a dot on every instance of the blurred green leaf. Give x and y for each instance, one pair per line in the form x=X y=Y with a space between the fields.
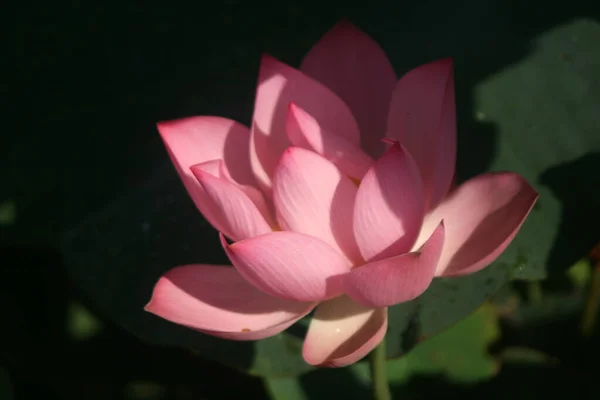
x=526 y=355
x=6 y=387
x=81 y=323
x=285 y=389
x=580 y=273
x=142 y=390
x=8 y=212
x=460 y=353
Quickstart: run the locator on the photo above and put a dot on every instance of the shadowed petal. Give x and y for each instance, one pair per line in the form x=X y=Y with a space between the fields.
x=238 y=216
x=278 y=86
x=389 y=206
x=304 y=131
x=422 y=117
x=218 y=301
x=355 y=67
x=342 y=332
x=218 y=169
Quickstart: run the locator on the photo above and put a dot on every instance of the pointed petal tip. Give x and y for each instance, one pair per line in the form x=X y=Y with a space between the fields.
x=268 y=60
x=169 y=126
x=165 y=128
x=293 y=108
x=292 y=152
x=198 y=172
x=155 y=304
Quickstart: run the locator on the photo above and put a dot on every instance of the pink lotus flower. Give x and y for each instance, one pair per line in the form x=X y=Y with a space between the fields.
x=322 y=213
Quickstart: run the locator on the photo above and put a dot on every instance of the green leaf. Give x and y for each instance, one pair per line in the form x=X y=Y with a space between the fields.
x=580 y=273
x=446 y=301
x=460 y=353
x=545 y=108
x=284 y=389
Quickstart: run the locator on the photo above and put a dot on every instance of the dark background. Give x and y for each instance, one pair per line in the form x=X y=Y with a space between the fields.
x=83 y=85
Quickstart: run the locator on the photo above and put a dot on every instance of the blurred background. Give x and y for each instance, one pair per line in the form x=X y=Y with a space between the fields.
x=92 y=212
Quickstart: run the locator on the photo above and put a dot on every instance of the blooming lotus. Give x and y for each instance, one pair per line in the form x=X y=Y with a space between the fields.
x=340 y=198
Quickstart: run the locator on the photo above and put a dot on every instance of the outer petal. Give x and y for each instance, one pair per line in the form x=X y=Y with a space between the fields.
x=398 y=279
x=304 y=131
x=195 y=140
x=278 y=86
x=342 y=332
x=238 y=216
x=218 y=301
x=423 y=118
x=353 y=65
x=289 y=265
x=481 y=218
x=312 y=196
x=389 y=206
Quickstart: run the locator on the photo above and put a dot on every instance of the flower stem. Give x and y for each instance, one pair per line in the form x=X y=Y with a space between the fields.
x=534 y=292
x=588 y=320
x=377 y=360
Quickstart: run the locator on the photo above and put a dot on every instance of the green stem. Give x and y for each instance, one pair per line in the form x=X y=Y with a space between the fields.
x=377 y=360
x=588 y=320
x=534 y=292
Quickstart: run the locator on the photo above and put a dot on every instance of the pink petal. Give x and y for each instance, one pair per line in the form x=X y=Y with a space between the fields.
x=389 y=206
x=481 y=218
x=423 y=118
x=278 y=86
x=398 y=279
x=238 y=217
x=289 y=265
x=218 y=169
x=304 y=131
x=342 y=332
x=218 y=301
x=195 y=140
x=355 y=67
x=312 y=196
